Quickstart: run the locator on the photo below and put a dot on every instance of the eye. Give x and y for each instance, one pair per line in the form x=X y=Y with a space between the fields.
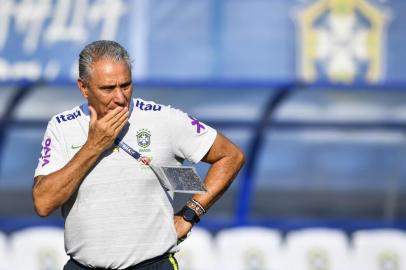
x=125 y=86
x=107 y=88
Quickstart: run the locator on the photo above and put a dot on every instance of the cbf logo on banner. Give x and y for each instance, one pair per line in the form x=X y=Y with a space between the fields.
x=341 y=41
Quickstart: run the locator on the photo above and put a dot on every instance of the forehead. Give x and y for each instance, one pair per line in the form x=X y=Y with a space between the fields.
x=110 y=71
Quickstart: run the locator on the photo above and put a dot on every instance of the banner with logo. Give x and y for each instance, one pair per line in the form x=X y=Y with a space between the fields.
x=342 y=40
x=339 y=41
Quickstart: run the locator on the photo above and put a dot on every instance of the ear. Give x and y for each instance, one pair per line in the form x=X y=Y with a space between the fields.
x=83 y=88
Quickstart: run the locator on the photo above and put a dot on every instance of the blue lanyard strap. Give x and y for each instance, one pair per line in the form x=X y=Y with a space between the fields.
x=132 y=152
x=127 y=148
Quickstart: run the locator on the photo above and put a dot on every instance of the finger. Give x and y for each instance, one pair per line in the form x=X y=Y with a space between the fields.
x=111 y=114
x=93 y=115
x=123 y=118
x=114 y=118
x=117 y=117
x=120 y=127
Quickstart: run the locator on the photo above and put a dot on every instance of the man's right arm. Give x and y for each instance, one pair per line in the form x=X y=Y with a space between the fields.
x=51 y=191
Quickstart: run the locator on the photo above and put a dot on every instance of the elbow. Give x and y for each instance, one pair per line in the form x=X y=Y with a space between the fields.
x=239 y=158
x=41 y=213
x=41 y=207
x=41 y=210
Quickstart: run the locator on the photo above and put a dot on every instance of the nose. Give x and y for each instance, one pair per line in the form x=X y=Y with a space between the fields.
x=119 y=97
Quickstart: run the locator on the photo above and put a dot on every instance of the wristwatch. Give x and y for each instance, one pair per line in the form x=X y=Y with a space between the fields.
x=189 y=215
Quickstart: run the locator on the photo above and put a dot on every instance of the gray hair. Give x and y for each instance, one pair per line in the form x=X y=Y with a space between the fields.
x=101 y=49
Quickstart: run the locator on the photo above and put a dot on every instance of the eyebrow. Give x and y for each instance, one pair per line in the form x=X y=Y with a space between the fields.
x=112 y=86
x=109 y=86
x=126 y=83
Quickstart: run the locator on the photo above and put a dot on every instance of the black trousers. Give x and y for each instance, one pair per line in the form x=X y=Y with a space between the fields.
x=163 y=262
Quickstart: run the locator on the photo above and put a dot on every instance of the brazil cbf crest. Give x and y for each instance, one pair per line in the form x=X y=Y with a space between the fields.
x=341 y=41
x=144 y=138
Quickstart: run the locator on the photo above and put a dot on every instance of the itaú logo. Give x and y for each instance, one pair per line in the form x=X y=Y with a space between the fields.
x=68 y=117
x=146 y=106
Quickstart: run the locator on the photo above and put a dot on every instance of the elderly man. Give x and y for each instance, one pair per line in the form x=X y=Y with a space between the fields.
x=117 y=215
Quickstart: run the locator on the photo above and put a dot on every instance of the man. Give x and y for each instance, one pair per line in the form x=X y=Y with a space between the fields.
x=117 y=215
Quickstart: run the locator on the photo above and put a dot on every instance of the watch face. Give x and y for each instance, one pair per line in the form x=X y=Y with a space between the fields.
x=190 y=215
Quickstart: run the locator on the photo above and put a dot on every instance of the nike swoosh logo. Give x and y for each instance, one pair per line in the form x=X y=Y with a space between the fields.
x=76 y=146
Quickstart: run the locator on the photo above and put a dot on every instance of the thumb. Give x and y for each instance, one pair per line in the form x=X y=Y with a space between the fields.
x=93 y=115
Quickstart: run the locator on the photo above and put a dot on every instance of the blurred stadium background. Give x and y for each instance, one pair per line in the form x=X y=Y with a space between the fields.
x=314 y=92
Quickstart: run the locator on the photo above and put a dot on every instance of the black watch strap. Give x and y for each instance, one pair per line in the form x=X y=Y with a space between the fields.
x=189 y=215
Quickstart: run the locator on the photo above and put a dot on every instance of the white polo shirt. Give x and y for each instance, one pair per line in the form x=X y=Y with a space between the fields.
x=120 y=214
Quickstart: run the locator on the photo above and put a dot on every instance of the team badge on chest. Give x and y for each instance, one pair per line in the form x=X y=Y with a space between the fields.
x=144 y=137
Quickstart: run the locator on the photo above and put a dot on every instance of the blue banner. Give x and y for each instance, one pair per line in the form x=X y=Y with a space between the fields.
x=340 y=41
x=41 y=39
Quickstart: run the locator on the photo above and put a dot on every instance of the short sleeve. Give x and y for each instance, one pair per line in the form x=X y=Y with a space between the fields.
x=191 y=138
x=52 y=156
